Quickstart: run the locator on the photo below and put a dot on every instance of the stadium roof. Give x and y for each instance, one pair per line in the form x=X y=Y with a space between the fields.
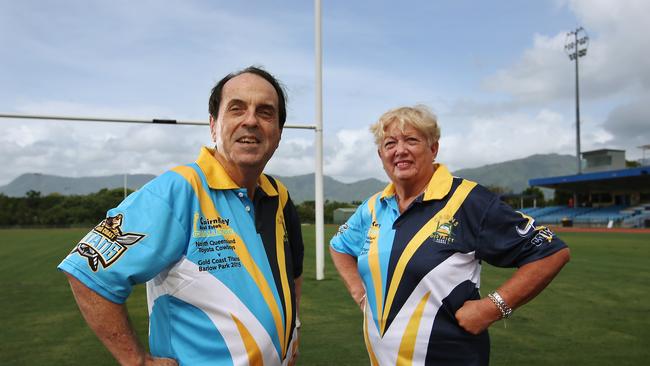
x=599 y=151
x=631 y=179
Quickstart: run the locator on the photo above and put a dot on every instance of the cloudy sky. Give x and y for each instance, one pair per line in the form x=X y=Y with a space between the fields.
x=495 y=73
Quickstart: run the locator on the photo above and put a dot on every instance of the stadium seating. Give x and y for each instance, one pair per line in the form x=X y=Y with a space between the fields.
x=639 y=216
x=541 y=211
x=603 y=215
x=591 y=216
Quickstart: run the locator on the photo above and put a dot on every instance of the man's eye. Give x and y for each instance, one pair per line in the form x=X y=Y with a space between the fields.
x=266 y=113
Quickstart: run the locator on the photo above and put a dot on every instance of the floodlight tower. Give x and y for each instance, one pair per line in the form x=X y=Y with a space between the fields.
x=576 y=47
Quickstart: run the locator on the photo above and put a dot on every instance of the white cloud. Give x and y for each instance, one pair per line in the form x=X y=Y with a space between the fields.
x=353 y=156
x=616 y=59
x=141 y=60
x=92 y=148
x=629 y=123
x=295 y=156
x=540 y=74
x=615 y=74
x=510 y=136
x=350 y=155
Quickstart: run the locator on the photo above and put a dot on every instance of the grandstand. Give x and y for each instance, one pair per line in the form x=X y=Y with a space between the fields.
x=607 y=194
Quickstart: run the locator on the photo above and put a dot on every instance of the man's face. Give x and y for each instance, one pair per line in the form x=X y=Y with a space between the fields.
x=247 y=129
x=406 y=155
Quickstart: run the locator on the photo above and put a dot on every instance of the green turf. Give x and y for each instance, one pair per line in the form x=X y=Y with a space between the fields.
x=597 y=312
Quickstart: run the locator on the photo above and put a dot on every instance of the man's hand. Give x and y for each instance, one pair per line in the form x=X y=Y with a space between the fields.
x=475 y=316
x=295 y=352
x=362 y=302
x=294 y=358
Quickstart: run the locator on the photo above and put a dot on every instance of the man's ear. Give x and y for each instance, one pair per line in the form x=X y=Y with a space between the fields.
x=213 y=129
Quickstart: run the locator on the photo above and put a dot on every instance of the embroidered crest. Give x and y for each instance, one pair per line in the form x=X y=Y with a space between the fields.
x=373 y=231
x=343 y=228
x=543 y=235
x=530 y=224
x=444 y=233
x=106 y=243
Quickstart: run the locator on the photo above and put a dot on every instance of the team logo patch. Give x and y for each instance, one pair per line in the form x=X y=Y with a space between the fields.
x=543 y=235
x=373 y=231
x=106 y=243
x=343 y=228
x=445 y=232
x=371 y=236
x=525 y=228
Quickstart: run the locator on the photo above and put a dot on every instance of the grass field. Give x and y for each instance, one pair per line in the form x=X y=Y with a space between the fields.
x=597 y=312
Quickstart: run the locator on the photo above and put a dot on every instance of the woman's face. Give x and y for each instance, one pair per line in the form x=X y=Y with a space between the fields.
x=407 y=156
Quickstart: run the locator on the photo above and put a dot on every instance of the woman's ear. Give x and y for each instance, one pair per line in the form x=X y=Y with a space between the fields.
x=434 y=149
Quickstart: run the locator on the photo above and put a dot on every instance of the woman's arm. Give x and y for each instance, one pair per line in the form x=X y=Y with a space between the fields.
x=346 y=265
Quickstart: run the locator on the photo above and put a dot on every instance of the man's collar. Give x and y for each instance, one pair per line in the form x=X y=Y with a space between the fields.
x=438 y=187
x=218 y=178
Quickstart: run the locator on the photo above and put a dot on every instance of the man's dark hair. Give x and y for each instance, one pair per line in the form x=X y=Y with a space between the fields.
x=215 y=97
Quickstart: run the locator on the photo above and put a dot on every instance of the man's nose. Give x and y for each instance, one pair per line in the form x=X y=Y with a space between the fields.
x=250 y=119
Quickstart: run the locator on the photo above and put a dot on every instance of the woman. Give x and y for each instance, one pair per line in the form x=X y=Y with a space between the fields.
x=410 y=255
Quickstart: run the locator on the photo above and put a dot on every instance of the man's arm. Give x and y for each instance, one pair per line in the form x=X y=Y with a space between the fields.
x=111 y=324
x=526 y=283
x=346 y=265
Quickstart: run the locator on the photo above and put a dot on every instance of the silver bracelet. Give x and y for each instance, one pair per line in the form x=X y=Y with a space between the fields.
x=505 y=310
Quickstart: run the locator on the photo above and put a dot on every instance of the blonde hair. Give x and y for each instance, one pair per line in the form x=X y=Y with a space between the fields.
x=419 y=117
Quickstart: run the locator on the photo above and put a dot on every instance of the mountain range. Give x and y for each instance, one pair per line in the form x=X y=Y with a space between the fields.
x=512 y=175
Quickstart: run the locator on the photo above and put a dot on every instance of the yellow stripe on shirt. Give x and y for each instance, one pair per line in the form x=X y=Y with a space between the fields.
x=407 y=346
x=252 y=349
x=280 y=236
x=373 y=260
x=418 y=239
x=209 y=210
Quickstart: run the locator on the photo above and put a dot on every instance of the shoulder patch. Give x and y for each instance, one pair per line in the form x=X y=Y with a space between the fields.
x=106 y=243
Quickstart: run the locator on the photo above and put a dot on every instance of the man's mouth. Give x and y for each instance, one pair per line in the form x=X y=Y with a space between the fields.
x=402 y=164
x=248 y=140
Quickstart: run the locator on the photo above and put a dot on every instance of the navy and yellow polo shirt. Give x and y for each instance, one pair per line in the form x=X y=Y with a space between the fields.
x=419 y=267
x=220 y=267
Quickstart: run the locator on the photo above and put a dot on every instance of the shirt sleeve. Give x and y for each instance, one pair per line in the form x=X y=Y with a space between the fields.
x=351 y=236
x=137 y=240
x=295 y=237
x=509 y=238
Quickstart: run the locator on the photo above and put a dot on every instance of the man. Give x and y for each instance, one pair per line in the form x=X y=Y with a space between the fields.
x=217 y=241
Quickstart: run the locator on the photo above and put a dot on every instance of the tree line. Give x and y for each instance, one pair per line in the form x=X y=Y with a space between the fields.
x=57 y=210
